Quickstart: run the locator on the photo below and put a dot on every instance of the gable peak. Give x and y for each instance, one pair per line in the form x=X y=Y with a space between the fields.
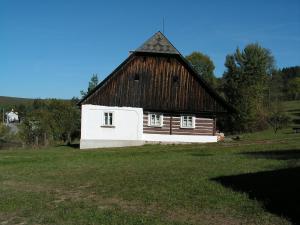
x=158 y=43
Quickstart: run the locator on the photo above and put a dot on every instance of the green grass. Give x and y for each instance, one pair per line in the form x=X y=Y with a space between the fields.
x=291 y=105
x=153 y=184
x=293 y=110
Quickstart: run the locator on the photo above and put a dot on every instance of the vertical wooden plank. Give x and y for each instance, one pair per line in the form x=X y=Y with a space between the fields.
x=215 y=126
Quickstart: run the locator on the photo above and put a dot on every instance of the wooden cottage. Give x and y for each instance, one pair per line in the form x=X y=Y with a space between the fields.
x=155 y=95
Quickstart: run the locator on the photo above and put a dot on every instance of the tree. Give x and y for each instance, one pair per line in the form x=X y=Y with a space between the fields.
x=204 y=66
x=277 y=119
x=4 y=131
x=245 y=83
x=293 y=89
x=52 y=121
x=275 y=87
x=66 y=117
x=92 y=84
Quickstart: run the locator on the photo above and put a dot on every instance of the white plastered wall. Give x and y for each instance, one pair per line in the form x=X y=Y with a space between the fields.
x=127 y=129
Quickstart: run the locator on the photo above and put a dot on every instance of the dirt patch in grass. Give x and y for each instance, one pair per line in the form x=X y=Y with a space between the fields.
x=11 y=219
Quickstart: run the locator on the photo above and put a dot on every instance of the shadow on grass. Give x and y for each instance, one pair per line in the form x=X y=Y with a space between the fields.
x=290 y=154
x=76 y=146
x=296 y=121
x=297 y=113
x=293 y=110
x=278 y=190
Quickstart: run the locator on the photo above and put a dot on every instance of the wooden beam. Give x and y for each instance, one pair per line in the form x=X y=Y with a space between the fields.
x=215 y=126
x=171 y=121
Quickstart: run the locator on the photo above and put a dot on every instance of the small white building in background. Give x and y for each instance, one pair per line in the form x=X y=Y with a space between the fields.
x=12 y=117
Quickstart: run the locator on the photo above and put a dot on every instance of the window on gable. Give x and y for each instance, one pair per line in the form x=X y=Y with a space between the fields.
x=175 y=79
x=108 y=119
x=187 y=122
x=136 y=77
x=155 y=120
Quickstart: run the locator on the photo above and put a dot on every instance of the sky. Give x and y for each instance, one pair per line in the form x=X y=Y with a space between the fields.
x=51 y=48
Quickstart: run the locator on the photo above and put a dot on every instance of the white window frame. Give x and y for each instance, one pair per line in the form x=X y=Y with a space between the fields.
x=185 y=125
x=156 y=124
x=113 y=119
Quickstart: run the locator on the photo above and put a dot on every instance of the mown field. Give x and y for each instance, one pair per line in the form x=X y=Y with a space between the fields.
x=251 y=181
x=254 y=180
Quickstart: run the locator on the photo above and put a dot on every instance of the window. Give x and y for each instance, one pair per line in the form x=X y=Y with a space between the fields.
x=136 y=77
x=108 y=119
x=187 y=122
x=155 y=120
x=175 y=79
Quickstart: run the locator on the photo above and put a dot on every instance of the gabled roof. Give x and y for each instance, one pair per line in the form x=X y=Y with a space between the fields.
x=158 y=43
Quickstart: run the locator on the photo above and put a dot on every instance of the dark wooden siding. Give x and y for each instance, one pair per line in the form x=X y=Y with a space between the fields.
x=165 y=84
x=203 y=126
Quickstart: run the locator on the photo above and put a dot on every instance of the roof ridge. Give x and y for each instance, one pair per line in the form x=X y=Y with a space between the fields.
x=158 y=43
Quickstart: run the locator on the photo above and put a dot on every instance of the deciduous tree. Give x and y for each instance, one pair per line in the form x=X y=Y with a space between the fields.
x=204 y=66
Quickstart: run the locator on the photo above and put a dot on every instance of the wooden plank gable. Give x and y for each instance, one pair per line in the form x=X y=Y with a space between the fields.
x=156 y=82
x=157 y=77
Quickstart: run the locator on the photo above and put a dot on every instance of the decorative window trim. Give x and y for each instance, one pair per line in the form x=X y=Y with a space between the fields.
x=112 y=124
x=186 y=126
x=155 y=125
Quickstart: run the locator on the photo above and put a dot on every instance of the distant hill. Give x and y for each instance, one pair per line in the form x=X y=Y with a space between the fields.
x=9 y=101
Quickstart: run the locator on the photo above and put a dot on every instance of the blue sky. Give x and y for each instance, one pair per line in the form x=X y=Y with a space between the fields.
x=50 y=48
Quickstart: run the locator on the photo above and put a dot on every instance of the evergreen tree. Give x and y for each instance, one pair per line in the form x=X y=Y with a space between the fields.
x=92 y=84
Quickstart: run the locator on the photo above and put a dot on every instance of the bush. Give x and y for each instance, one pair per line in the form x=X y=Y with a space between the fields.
x=4 y=131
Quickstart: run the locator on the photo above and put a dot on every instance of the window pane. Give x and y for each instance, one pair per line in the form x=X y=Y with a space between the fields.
x=152 y=119
x=157 y=122
x=105 y=118
x=190 y=121
x=110 y=119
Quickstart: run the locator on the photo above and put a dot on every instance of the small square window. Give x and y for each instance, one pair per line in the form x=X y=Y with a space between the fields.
x=108 y=119
x=187 y=122
x=155 y=120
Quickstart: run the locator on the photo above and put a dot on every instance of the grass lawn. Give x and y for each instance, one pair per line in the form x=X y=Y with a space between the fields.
x=293 y=109
x=251 y=181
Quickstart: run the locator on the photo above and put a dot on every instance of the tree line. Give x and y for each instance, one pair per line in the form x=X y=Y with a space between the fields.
x=45 y=122
x=253 y=85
